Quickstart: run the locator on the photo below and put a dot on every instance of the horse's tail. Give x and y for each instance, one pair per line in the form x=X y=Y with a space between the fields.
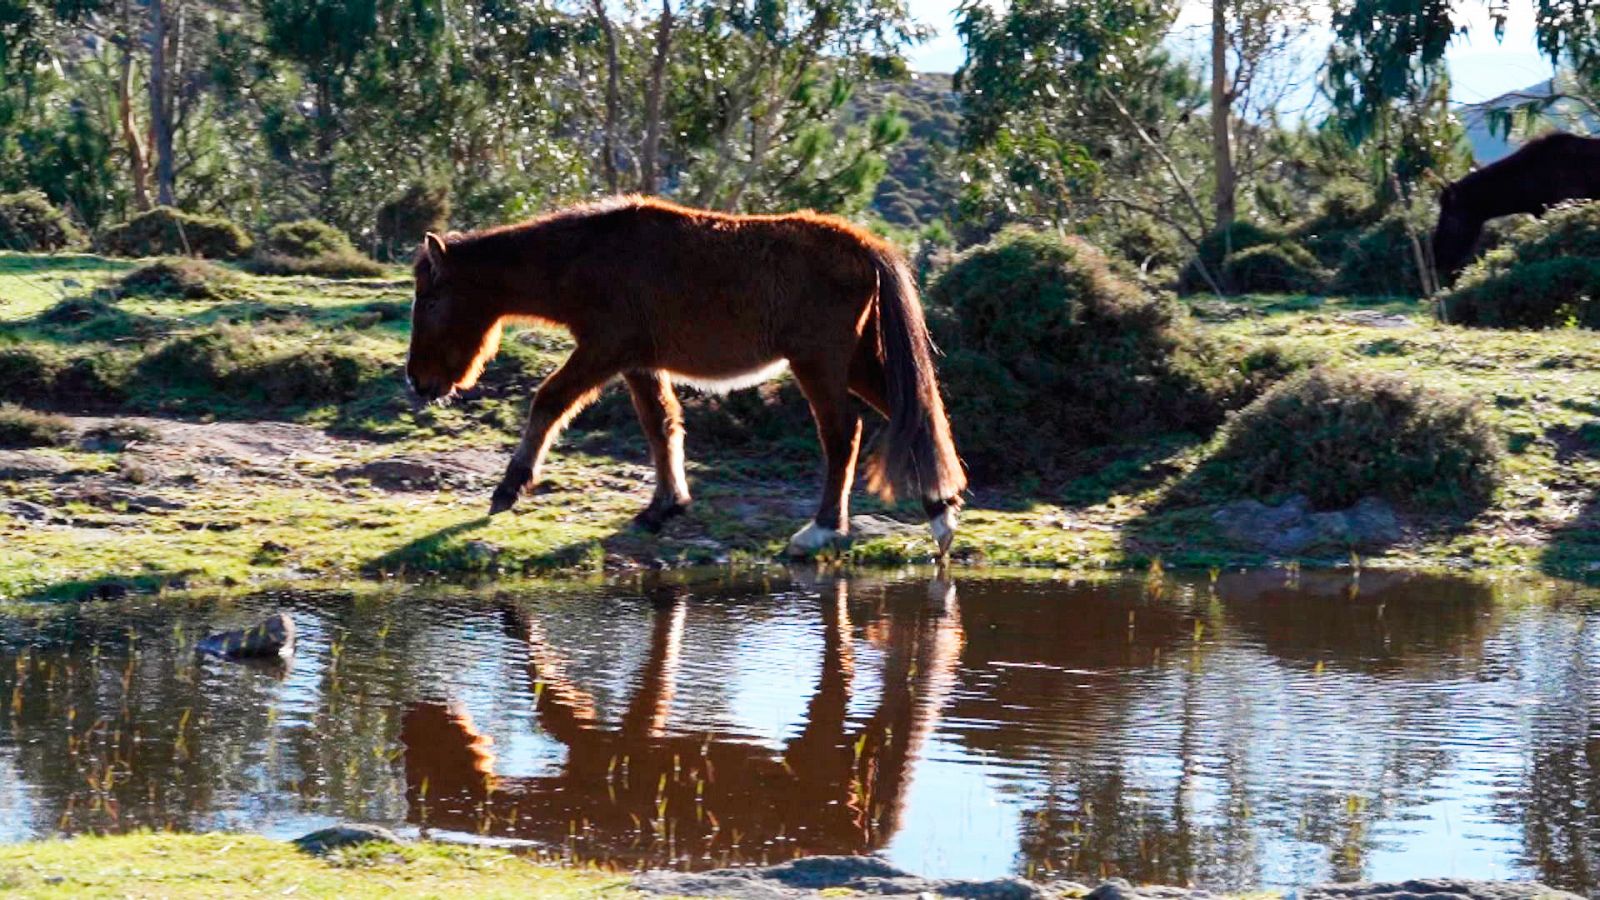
x=917 y=456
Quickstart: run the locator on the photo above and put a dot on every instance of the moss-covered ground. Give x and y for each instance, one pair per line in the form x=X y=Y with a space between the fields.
x=236 y=865
x=265 y=436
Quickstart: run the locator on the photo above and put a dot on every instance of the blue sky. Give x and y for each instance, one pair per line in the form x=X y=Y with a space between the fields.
x=1480 y=67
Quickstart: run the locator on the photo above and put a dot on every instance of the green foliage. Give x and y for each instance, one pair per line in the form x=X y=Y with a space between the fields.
x=310 y=247
x=1546 y=274
x=1215 y=248
x=405 y=219
x=1149 y=245
x=1042 y=340
x=29 y=222
x=178 y=277
x=21 y=427
x=165 y=231
x=244 y=365
x=1274 y=269
x=1345 y=209
x=306 y=239
x=1338 y=435
x=1382 y=260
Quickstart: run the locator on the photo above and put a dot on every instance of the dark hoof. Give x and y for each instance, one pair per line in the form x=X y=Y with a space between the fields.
x=653 y=519
x=511 y=487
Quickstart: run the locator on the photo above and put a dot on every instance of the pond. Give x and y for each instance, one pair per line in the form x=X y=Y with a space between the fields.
x=1262 y=728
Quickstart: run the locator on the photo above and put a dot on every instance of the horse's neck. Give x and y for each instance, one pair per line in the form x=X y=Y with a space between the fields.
x=519 y=282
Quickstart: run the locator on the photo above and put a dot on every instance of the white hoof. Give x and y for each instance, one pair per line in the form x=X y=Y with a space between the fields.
x=808 y=540
x=943 y=527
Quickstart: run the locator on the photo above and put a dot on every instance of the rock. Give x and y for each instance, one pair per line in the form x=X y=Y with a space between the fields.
x=1435 y=889
x=1121 y=889
x=1292 y=527
x=805 y=877
x=23 y=464
x=345 y=835
x=1372 y=318
x=869 y=526
x=27 y=512
x=415 y=472
x=273 y=637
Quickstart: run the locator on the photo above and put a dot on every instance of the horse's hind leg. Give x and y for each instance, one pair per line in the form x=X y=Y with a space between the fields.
x=662 y=420
x=839 y=428
x=559 y=398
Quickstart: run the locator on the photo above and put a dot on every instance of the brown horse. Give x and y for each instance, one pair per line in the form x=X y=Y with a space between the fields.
x=1550 y=170
x=655 y=292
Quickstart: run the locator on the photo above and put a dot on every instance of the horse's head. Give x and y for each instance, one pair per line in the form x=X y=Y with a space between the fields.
x=1455 y=236
x=453 y=333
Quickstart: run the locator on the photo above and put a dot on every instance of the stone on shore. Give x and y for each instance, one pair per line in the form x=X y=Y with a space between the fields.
x=345 y=835
x=805 y=877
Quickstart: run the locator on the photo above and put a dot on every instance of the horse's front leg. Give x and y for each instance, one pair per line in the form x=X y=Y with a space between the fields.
x=661 y=417
x=567 y=390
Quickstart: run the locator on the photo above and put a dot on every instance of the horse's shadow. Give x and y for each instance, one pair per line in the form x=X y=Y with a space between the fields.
x=632 y=790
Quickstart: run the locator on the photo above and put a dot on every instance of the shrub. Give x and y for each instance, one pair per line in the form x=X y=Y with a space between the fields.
x=1148 y=245
x=1338 y=435
x=306 y=239
x=181 y=277
x=1274 y=269
x=243 y=365
x=1216 y=246
x=1049 y=352
x=165 y=231
x=28 y=222
x=328 y=265
x=21 y=427
x=1543 y=294
x=1345 y=209
x=1382 y=261
x=1546 y=273
x=403 y=220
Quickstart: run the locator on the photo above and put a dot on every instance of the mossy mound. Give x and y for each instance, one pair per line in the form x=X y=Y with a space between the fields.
x=247 y=366
x=1338 y=435
x=1217 y=246
x=1545 y=274
x=1274 y=269
x=30 y=223
x=165 y=231
x=311 y=247
x=21 y=427
x=1048 y=351
x=180 y=278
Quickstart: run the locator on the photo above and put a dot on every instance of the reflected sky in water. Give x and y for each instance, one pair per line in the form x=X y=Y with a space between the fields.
x=1266 y=728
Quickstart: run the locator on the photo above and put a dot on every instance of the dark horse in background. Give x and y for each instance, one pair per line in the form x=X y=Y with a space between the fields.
x=1548 y=171
x=656 y=293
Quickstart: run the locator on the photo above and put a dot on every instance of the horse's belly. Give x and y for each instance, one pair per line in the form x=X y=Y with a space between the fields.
x=724 y=381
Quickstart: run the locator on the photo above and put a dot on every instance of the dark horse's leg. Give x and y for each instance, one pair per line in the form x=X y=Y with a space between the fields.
x=827 y=389
x=868 y=381
x=662 y=420
x=563 y=394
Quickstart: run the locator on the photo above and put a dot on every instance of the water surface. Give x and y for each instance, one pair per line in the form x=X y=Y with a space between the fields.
x=1265 y=729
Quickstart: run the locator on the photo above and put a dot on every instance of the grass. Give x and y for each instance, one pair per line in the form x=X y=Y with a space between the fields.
x=234 y=865
x=271 y=519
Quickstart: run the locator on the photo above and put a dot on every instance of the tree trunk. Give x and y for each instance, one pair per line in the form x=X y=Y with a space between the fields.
x=608 y=140
x=1221 y=116
x=653 y=101
x=160 y=110
x=138 y=163
x=327 y=136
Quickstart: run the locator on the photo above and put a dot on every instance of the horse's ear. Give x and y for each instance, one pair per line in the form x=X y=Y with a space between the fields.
x=433 y=245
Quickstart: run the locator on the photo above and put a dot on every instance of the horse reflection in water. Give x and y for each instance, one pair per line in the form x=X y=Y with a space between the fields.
x=634 y=794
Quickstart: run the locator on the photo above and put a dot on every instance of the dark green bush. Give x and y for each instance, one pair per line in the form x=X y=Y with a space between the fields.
x=242 y=365
x=1545 y=294
x=1383 y=261
x=1147 y=244
x=1047 y=352
x=165 y=231
x=1338 y=435
x=1215 y=248
x=30 y=223
x=403 y=220
x=178 y=277
x=20 y=427
x=1345 y=209
x=1274 y=269
x=1545 y=274
x=306 y=239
